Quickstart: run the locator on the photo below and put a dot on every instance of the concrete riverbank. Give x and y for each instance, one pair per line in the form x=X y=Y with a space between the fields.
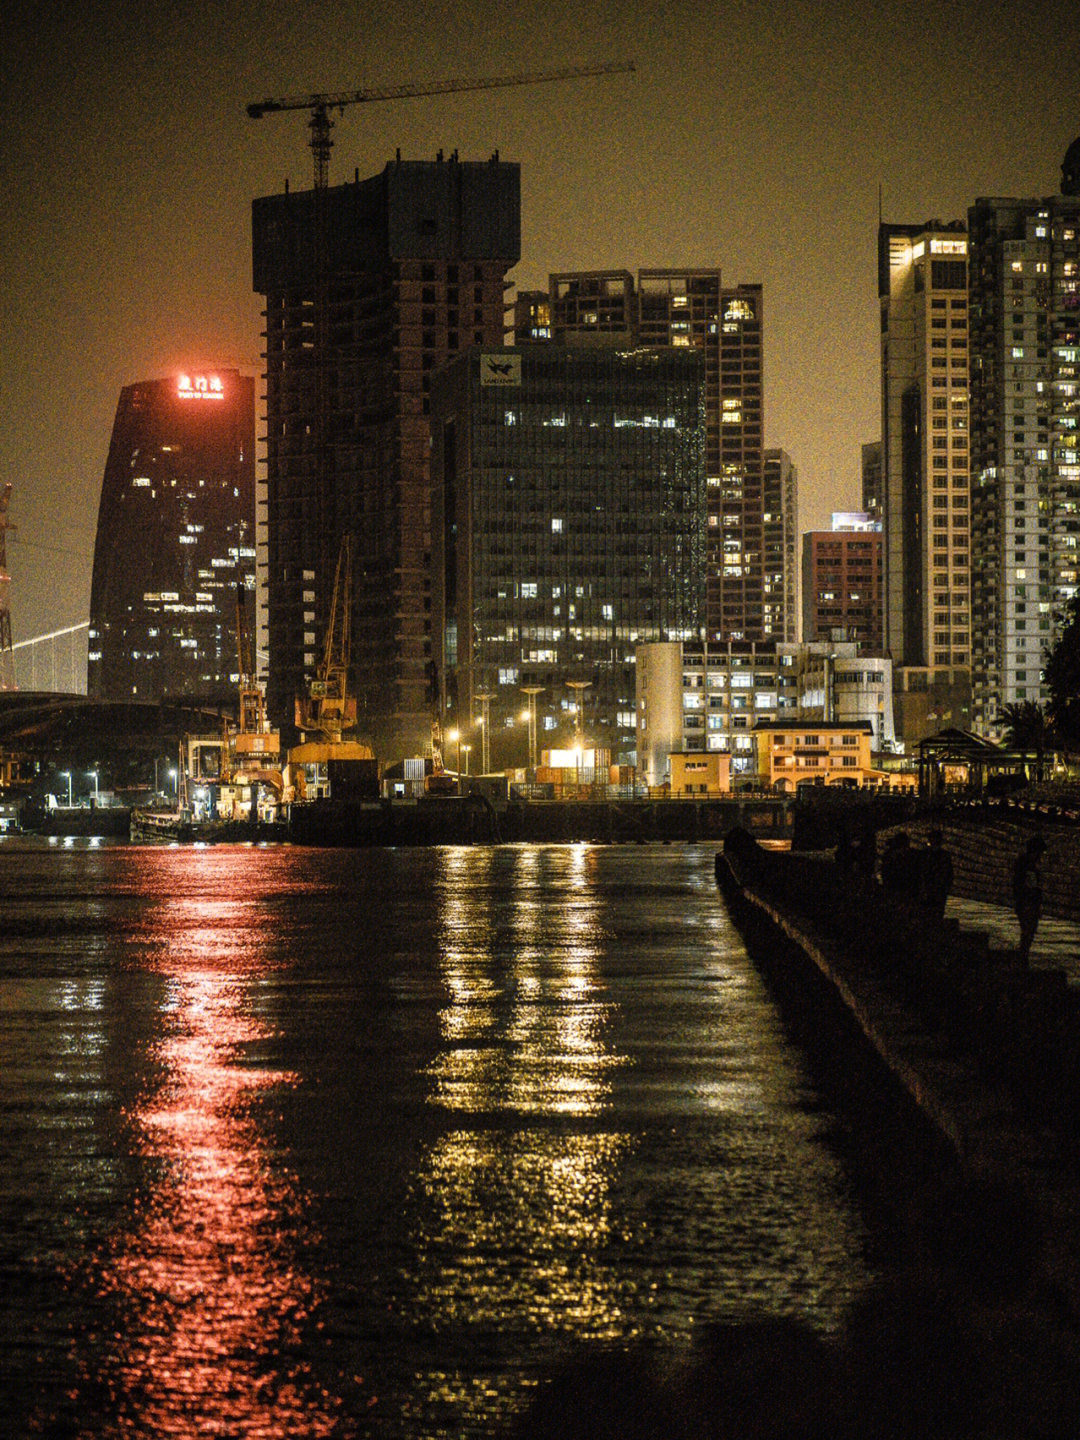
x=473 y=820
x=986 y=1051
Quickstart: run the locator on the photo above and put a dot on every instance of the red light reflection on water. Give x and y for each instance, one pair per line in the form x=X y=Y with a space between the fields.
x=208 y=1273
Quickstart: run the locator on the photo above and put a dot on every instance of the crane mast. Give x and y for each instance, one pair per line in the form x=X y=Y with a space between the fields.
x=321 y=104
x=7 y=654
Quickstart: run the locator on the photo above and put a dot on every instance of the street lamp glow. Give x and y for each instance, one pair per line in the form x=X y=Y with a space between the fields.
x=93 y=775
x=66 y=775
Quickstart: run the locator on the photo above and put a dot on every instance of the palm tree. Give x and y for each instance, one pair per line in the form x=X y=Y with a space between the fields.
x=1027 y=728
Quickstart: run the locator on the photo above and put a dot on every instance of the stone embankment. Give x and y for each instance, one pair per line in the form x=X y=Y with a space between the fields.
x=986 y=1049
x=984 y=841
x=473 y=820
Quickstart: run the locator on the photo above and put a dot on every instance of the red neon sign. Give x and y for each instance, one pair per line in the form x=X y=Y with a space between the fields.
x=200 y=387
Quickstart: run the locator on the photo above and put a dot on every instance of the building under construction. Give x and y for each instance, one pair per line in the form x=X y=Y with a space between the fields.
x=369 y=288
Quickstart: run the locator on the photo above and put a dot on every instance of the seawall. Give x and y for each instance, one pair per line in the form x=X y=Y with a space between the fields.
x=986 y=1052
x=452 y=821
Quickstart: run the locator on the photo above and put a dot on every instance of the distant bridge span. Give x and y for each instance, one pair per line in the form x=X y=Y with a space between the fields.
x=48 y=725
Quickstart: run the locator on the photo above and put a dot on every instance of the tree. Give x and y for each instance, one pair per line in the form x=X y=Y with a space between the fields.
x=1028 y=728
x=1062 y=675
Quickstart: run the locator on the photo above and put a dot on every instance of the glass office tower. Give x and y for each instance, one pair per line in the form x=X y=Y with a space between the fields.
x=175 y=536
x=569 y=524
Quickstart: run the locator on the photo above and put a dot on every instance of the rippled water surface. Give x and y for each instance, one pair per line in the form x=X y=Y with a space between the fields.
x=305 y=1143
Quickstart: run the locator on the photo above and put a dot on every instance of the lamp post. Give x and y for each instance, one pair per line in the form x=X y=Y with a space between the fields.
x=93 y=775
x=579 y=687
x=532 y=691
x=66 y=775
x=455 y=736
x=466 y=749
x=485 y=697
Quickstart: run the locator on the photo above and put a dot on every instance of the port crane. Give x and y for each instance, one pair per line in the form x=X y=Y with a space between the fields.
x=328 y=707
x=320 y=105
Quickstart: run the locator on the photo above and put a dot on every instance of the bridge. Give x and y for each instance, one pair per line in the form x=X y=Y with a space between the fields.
x=55 y=661
x=63 y=730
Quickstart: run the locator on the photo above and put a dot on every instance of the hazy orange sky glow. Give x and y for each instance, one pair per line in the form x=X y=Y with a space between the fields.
x=754 y=137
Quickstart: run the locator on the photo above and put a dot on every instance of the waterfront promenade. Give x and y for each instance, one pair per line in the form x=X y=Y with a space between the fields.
x=984 y=1050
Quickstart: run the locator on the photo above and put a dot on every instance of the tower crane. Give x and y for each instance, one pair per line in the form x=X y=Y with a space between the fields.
x=7 y=654
x=321 y=105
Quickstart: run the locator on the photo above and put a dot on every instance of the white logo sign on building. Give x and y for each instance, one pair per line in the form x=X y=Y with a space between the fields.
x=500 y=369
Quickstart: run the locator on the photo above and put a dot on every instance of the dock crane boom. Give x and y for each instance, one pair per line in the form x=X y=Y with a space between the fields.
x=320 y=105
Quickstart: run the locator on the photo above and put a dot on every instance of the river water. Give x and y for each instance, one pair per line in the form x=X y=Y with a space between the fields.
x=306 y=1143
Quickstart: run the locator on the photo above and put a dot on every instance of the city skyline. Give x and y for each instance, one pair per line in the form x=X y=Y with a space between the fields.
x=128 y=229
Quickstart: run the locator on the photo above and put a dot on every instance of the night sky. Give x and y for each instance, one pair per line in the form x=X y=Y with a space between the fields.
x=754 y=137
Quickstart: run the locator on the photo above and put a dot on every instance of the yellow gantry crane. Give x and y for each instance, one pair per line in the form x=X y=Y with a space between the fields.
x=321 y=105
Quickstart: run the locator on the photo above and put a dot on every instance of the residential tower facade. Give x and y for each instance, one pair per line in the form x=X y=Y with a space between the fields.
x=1025 y=403
x=922 y=288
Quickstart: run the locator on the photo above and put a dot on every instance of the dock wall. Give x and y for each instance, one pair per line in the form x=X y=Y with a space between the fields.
x=475 y=821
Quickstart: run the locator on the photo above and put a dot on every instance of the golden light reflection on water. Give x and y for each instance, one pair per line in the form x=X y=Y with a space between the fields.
x=510 y=1220
x=524 y=1026
x=207 y=1274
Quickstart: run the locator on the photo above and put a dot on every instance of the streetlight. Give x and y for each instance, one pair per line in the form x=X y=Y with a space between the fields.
x=485 y=697
x=579 y=687
x=466 y=749
x=66 y=775
x=93 y=775
x=532 y=691
x=455 y=736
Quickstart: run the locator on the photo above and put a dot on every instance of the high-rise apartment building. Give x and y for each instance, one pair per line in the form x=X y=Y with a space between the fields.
x=400 y=272
x=693 y=309
x=842 y=583
x=568 y=504
x=871 y=479
x=922 y=287
x=780 y=532
x=1025 y=419
x=175 y=537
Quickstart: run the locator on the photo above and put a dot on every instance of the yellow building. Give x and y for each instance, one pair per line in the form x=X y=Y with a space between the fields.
x=695 y=775
x=811 y=752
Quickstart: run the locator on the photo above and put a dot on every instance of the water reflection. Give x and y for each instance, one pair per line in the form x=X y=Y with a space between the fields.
x=215 y=1303
x=524 y=1026
x=510 y=1221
